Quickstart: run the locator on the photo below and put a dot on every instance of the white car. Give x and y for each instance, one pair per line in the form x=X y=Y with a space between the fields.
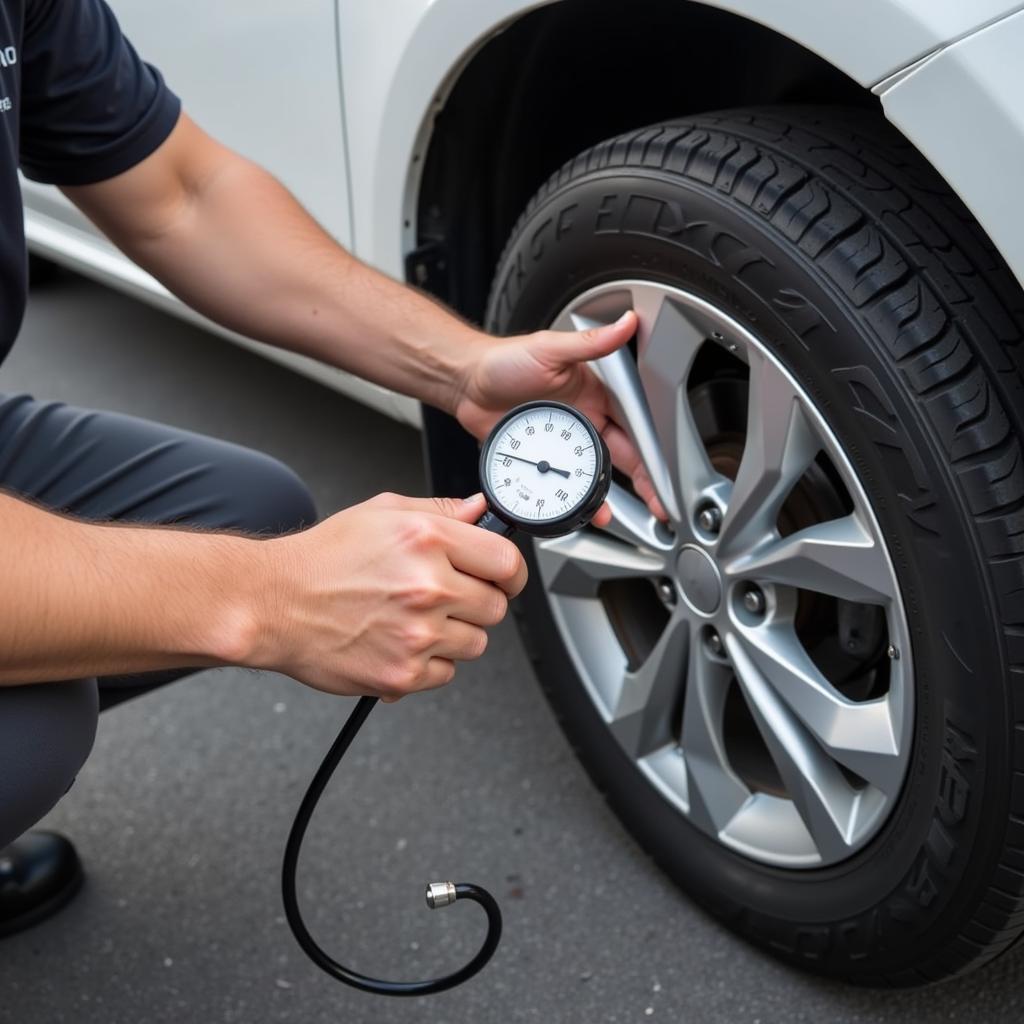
x=805 y=698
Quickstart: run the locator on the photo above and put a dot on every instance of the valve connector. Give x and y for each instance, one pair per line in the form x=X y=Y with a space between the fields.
x=440 y=894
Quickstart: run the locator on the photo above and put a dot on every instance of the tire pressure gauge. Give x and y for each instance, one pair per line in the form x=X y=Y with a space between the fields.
x=544 y=469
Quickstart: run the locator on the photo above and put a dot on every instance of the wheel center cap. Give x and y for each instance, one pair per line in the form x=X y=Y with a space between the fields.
x=699 y=580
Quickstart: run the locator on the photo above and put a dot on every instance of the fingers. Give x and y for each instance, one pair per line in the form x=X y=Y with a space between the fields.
x=437 y=672
x=469 y=549
x=602 y=341
x=402 y=589
x=460 y=641
x=581 y=347
x=477 y=602
x=603 y=516
x=627 y=458
x=486 y=556
x=435 y=666
x=465 y=510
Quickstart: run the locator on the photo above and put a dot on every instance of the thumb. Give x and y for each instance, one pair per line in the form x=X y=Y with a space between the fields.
x=465 y=510
x=596 y=342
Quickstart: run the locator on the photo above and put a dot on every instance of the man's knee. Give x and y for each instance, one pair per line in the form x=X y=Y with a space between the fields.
x=271 y=497
x=46 y=733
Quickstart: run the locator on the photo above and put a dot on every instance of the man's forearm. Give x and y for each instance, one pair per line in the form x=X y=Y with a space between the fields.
x=78 y=599
x=233 y=243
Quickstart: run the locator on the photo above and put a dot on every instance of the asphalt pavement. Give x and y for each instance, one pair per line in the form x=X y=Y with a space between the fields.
x=182 y=811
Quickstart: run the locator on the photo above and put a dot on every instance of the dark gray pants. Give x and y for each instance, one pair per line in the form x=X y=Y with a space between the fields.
x=104 y=466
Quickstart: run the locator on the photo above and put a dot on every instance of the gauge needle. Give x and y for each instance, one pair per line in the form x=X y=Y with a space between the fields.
x=544 y=466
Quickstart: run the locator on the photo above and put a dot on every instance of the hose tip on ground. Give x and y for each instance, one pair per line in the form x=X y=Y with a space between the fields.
x=440 y=894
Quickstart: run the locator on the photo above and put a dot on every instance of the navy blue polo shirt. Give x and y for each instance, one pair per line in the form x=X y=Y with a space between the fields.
x=77 y=106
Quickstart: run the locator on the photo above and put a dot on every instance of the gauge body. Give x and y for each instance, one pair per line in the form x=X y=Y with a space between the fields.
x=544 y=469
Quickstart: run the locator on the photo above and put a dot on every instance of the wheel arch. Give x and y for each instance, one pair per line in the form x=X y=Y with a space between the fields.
x=483 y=151
x=554 y=82
x=547 y=83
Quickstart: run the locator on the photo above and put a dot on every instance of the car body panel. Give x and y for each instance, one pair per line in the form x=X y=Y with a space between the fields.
x=83 y=249
x=263 y=77
x=350 y=143
x=962 y=109
x=871 y=39
x=398 y=57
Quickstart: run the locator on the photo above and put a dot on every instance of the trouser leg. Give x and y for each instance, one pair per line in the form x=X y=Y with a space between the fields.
x=108 y=467
x=46 y=733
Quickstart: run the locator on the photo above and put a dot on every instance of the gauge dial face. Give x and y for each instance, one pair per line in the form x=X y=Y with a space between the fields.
x=541 y=464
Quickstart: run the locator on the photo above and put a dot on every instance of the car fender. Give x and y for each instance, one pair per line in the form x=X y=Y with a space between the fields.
x=401 y=57
x=961 y=108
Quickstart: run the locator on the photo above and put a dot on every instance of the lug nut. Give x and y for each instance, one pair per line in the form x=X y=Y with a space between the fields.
x=715 y=645
x=709 y=519
x=666 y=591
x=753 y=601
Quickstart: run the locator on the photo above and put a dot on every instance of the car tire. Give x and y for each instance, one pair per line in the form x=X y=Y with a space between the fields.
x=825 y=236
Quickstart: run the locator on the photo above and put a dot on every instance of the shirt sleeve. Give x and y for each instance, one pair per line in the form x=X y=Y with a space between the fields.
x=91 y=108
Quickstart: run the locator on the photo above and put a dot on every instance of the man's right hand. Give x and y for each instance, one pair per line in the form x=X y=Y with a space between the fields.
x=384 y=597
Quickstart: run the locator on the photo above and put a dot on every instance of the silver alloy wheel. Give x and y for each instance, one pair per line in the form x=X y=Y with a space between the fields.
x=732 y=583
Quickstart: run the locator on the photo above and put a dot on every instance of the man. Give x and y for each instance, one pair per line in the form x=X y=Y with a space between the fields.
x=382 y=598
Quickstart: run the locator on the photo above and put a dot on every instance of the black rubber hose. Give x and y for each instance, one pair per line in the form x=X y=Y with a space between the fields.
x=462 y=890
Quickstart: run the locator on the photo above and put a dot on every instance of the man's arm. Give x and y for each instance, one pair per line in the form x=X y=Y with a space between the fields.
x=381 y=599
x=79 y=599
x=231 y=241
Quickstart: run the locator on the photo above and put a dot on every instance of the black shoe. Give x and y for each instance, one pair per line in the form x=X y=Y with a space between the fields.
x=39 y=873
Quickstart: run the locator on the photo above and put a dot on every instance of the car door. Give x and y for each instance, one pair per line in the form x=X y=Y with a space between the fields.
x=261 y=76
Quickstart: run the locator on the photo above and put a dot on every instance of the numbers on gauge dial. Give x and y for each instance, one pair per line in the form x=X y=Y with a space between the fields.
x=542 y=464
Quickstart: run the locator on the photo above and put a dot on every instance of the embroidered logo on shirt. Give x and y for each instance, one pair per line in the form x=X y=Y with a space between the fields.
x=8 y=58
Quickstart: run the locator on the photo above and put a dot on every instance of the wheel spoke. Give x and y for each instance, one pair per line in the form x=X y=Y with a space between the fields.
x=823 y=798
x=578 y=563
x=650 y=393
x=715 y=793
x=619 y=375
x=839 y=557
x=860 y=735
x=633 y=522
x=780 y=445
x=666 y=350
x=649 y=697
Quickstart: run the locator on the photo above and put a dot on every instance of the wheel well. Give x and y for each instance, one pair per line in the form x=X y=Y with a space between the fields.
x=565 y=77
x=556 y=81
